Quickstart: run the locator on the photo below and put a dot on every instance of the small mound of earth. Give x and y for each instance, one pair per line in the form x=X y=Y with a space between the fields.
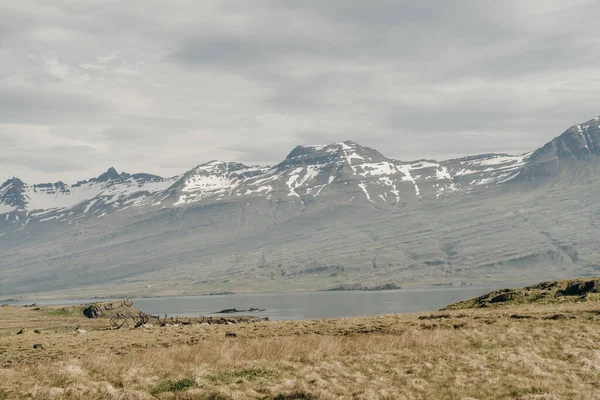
x=565 y=291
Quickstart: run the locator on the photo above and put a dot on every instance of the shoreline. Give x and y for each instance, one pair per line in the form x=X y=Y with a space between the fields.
x=18 y=300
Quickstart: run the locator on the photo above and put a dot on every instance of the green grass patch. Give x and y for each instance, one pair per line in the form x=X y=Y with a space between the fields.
x=248 y=374
x=173 y=386
x=62 y=312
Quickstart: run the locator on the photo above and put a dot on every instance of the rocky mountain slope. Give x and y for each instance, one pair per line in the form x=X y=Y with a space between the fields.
x=326 y=215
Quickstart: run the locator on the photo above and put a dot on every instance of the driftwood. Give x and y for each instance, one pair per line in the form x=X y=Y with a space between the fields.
x=140 y=319
x=163 y=322
x=118 y=321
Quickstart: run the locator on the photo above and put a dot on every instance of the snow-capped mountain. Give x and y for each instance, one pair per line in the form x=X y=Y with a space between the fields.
x=581 y=142
x=336 y=213
x=109 y=191
x=355 y=172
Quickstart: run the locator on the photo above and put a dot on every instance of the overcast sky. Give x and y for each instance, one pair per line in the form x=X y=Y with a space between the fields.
x=161 y=86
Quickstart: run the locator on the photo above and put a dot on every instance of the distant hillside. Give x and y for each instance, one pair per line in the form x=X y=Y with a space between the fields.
x=326 y=216
x=565 y=291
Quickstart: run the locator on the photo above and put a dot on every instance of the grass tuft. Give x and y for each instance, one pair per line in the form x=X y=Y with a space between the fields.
x=62 y=312
x=248 y=374
x=216 y=396
x=295 y=396
x=173 y=386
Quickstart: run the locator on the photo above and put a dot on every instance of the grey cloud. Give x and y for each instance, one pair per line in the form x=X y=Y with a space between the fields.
x=18 y=105
x=53 y=159
x=221 y=51
x=263 y=155
x=250 y=80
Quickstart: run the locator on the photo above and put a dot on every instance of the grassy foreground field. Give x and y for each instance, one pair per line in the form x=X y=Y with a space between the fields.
x=525 y=351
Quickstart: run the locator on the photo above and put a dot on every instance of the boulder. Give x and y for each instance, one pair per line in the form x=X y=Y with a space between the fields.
x=580 y=288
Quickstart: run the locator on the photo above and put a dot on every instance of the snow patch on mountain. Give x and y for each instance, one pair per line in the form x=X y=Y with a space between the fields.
x=364 y=189
x=406 y=170
x=215 y=178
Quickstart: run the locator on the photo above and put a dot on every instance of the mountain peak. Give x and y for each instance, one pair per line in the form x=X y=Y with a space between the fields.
x=110 y=175
x=345 y=145
x=345 y=151
x=14 y=181
x=12 y=193
x=579 y=142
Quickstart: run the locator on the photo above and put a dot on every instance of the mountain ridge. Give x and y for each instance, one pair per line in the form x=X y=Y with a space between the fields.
x=343 y=160
x=325 y=216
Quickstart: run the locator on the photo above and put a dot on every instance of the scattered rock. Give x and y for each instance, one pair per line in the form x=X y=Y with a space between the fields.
x=502 y=298
x=37 y=331
x=556 y=317
x=231 y=334
x=22 y=331
x=38 y=346
x=517 y=316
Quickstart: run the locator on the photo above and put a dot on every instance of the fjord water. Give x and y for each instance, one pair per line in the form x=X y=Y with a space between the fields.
x=309 y=305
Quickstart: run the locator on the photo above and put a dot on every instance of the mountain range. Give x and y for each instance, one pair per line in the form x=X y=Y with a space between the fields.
x=326 y=215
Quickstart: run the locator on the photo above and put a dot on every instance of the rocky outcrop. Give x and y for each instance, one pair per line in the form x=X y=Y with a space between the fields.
x=587 y=289
x=109 y=310
x=580 y=288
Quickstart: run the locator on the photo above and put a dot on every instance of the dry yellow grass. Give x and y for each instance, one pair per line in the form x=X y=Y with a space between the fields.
x=523 y=352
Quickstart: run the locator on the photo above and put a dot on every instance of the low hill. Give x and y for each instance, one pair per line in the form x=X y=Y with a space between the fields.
x=564 y=291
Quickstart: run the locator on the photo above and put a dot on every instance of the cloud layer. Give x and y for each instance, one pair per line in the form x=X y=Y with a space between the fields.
x=161 y=86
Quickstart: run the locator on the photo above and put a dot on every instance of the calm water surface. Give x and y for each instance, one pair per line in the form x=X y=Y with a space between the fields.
x=306 y=305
